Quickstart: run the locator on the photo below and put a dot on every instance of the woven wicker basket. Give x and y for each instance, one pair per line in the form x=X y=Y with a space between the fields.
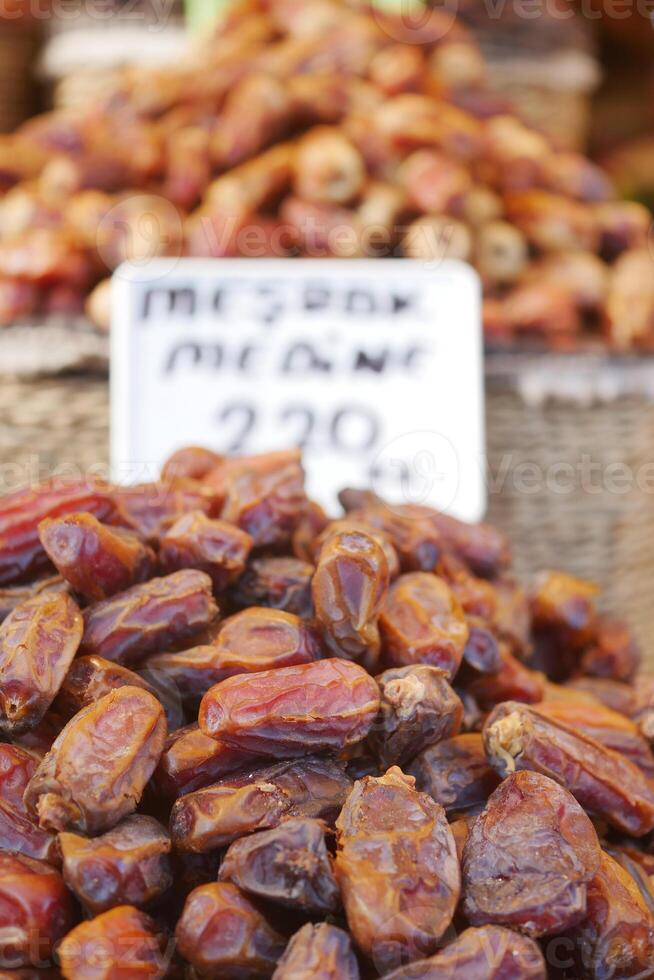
x=545 y=414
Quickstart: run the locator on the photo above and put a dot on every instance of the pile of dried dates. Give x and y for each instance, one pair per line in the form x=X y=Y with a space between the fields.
x=241 y=739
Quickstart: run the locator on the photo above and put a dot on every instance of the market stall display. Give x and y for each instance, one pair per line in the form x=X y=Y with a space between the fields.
x=324 y=128
x=244 y=738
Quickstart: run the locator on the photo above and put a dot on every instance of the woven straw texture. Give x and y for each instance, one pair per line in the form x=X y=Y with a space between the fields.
x=546 y=412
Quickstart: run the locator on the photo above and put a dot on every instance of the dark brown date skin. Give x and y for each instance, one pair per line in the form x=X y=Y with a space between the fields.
x=349 y=525
x=90 y=678
x=128 y=865
x=21 y=553
x=484 y=953
x=415 y=541
x=423 y=622
x=512 y=682
x=190 y=462
x=38 y=641
x=149 y=617
x=258 y=799
x=611 y=729
x=397 y=868
x=482 y=547
x=613 y=694
x=318 y=952
x=528 y=858
x=224 y=936
x=564 y=603
x=96 y=560
x=211 y=545
x=292 y=711
x=264 y=495
x=14 y=595
x=613 y=652
x=616 y=937
x=288 y=865
x=517 y=737
x=455 y=772
x=248 y=642
x=482 y=651
x=348 y=588
x=18 y=830
x=35 y=910
x=151 y=509
x=418 y=708
x=121 y=944
x=99 y=764
x=276 y=582
x=191 y=760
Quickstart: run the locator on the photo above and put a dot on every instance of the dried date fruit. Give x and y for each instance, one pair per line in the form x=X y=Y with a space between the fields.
x=127 y=865
x=258 y=799
x=318 y=952
x=613 y=652
x=350 y=525
x=213 y=546
x=96 y=560
x=613 y=694
x=512 y=682
x=223 y=935
x=190 y=462
x=482 y=651
x=517 y=737
x=528 y=858
x=608 y=727
x=484 y=953
x=120 y=944
x=191 y=760
x=99 y=764
x=14 y=595
x=276 y=582
x=348 y=587
x=565 y=603
x=288 y=865
x=151 y=508
x=292 y=711
x=455 y=772
x=264 y=495
x=416 y=541
x=482 y=547
x=89 y=678
x=35 y=910
x=18 y=831
x=418 y=708
x=38 y=641
x=616 y=937
x=397 y=868
x=21 y=553
x=251 y=641
x=423 y=622
x=149 y=617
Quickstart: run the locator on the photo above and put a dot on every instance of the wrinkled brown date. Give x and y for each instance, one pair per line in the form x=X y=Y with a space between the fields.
x=35 y=910
x=13 y=595
x=258 y=799
x=484 y=953
x=191 y=760
x=98 y=766
x=277 y=582
x=97 y=561
x=149 y=617
x=616 y=937
x=213 y=546
x=121 y=944
x=455 y=772
x=318 y=952
x=292 y=711
x=418 y=708
x=90 y=678
x=397 y=868
x=21 y=552
x=289 y=865
x=18 y=830
x=128 y=865
x=222 y=934
x=38 y=641
x=516 y=736
x=512 y=682
x=190 y=462
x=151 y=508
x=422 y=622
x=248 y=642
x=529 y=858
x=348 y=587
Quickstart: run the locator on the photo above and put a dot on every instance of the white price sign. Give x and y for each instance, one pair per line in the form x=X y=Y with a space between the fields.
x=372 y=367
